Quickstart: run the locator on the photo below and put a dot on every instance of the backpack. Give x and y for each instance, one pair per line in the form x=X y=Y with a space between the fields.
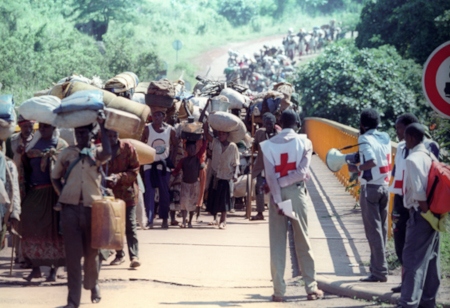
x=438 y=188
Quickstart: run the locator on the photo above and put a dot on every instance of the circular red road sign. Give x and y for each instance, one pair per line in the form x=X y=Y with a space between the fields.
x=436 y=79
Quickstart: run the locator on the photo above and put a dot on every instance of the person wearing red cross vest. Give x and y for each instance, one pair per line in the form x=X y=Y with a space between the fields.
x=374 y=175
x=287 y=157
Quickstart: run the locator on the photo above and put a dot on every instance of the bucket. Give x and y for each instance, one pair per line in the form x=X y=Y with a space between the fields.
x=220 y=103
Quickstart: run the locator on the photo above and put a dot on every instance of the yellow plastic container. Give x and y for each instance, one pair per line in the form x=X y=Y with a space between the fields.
x=108 y=224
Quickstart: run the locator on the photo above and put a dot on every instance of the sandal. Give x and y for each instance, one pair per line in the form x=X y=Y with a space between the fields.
x=95 y=294
x=183 y=226
x=257 y=217
x=318 y=294
x=213 y=223
x=223 y=225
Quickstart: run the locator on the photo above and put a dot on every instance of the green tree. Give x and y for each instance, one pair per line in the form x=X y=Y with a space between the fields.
x=238 y=12
x=343 y=80
x=409 y=25
x=94 y=16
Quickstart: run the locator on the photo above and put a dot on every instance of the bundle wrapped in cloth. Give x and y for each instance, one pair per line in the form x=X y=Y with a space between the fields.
x=122 y=82
x=116 y=102
x=160 y=93
x=227 y=122
x=237 y=100
x=79 y=109
x=40 y=109
x=8 y=117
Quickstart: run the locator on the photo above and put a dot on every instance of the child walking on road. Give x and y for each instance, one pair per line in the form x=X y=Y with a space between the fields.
x=190 y=185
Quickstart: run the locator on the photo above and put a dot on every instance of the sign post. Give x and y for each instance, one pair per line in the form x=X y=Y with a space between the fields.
x=177 y=45
x=436 y=80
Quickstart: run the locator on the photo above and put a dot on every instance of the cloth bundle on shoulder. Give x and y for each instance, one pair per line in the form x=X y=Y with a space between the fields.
x=160 y=93
x=8 y=117
x=122 y=82
x=79 y=109
x=228 y=122
x=40 y=109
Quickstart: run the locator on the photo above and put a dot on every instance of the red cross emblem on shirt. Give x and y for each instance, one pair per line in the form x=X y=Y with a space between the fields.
x=284 y=166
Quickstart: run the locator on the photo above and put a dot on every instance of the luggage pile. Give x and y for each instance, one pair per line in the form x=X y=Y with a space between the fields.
x=74 y=101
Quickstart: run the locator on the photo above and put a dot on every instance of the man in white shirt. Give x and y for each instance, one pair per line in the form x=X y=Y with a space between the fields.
x=421 y=261
x=287 y=157
x=400 y=214
x=374 y=170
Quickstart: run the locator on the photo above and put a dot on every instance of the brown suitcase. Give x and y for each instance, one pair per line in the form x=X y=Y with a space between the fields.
x=108 y=224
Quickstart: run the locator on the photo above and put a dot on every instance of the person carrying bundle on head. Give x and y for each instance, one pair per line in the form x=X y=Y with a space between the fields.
x=191 y=165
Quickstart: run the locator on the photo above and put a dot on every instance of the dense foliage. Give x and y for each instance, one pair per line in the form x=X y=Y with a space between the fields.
x=414 y=27
x=343 y=80
x=238 y=12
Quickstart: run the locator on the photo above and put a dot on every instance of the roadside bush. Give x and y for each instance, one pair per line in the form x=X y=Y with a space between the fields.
x=343 y=80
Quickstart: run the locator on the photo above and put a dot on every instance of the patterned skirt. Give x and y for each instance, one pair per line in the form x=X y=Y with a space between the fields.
x=42 y=243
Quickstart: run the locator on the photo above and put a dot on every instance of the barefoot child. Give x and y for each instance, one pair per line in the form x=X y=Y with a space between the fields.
x=191 y=166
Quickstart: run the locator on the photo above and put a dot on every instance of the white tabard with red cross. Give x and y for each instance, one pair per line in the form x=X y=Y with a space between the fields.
x=284 y=156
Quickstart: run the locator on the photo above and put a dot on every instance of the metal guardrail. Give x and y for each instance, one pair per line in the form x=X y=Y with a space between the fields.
x=326 y=134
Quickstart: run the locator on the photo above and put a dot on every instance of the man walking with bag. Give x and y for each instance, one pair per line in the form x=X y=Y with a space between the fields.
x=81 y=187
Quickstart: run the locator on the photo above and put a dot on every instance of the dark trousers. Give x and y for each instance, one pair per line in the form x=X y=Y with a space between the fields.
x=164 y=195
x=421 y=266
x=131 y=234
x=259 y=193
x=400 y=216
x=76 y=227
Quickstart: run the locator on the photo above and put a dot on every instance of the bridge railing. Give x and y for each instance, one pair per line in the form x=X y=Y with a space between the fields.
x=326 y=134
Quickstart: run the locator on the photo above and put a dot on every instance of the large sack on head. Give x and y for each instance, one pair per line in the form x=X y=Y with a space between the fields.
x=146 y=154
x=40 y=109
x=237 y=100
x=117 y=102
x=160 y=93
x=285 y=88
x=122 y=82
x=75 y=118
x=82 y=100
x=238 y=134
x=223 y=121
x=123 y=122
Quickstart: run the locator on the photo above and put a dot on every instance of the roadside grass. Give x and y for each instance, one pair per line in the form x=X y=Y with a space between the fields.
x=394 y=264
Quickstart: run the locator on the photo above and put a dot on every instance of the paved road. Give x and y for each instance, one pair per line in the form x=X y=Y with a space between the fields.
x=208 y=267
